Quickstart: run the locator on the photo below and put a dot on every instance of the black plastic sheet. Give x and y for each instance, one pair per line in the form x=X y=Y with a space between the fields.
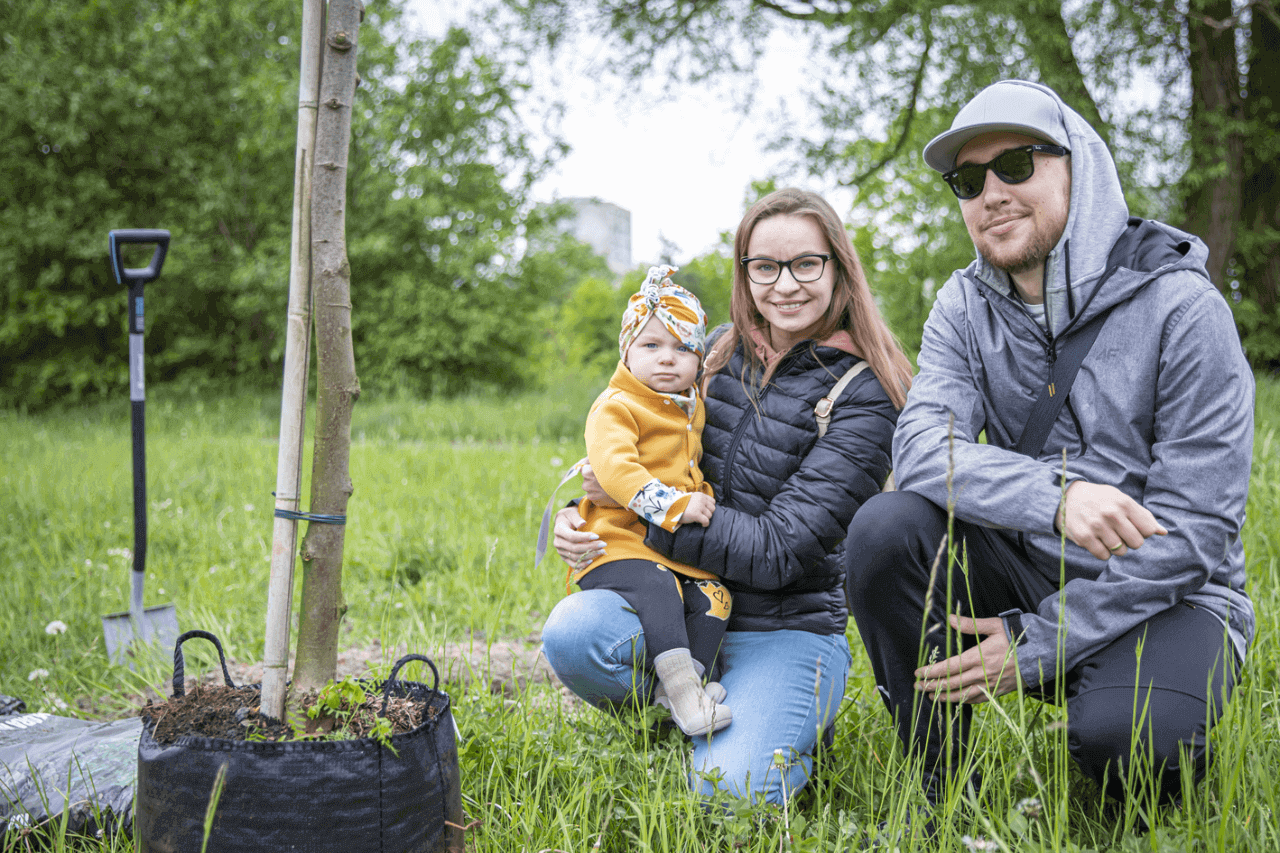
x=50 y=765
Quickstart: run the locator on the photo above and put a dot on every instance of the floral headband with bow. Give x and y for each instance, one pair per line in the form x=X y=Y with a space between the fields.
x=676 y=308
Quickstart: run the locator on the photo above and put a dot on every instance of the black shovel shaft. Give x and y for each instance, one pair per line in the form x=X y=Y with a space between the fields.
x=139 y=485
x=135 y=278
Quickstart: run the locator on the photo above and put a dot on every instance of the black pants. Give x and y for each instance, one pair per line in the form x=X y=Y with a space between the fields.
x=676 y=612
x=1169 y=695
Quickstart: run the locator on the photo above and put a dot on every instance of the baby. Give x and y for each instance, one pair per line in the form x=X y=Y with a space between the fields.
x=644 y=441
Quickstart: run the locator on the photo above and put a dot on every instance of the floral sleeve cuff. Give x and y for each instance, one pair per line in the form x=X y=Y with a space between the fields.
x=659 y=504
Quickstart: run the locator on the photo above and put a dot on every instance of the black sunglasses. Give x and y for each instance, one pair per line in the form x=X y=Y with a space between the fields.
x=1013 y=167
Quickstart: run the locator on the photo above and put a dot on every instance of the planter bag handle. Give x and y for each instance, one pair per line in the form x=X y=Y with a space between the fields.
x=395 y=670
x=179 y=666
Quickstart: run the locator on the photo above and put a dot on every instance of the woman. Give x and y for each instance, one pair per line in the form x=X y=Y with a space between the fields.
x=802 y=316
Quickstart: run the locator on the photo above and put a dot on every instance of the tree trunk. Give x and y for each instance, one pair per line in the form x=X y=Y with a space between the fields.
x=1260 y=259
x=1214 y=203
x=338 y=389
x=297 y=352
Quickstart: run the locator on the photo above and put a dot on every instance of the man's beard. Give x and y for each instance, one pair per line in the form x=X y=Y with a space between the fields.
x=1016 y=262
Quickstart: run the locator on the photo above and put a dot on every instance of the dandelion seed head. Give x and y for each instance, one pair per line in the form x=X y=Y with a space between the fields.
x=38 y=673
x=57 y=626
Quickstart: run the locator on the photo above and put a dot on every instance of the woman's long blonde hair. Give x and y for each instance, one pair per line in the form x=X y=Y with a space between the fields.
x=852 y=309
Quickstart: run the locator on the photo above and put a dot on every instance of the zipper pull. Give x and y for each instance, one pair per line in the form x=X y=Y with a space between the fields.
x=1051 y=354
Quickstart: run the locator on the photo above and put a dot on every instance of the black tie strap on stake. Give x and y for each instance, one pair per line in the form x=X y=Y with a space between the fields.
x=318 y=518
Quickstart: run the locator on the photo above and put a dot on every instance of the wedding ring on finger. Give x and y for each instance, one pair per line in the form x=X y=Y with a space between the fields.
x=1115 y=547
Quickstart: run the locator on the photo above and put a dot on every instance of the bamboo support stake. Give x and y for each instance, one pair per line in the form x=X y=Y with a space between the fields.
x=293 y=403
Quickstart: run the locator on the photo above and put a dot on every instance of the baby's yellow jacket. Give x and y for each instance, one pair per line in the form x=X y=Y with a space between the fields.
x=634 y=436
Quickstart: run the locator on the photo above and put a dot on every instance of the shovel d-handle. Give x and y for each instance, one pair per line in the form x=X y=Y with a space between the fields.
x=135 y=278
x=145 y=236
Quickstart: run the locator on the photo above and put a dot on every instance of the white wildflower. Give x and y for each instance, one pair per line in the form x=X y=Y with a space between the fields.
x=38 y=673
x=556 y=461
x=1029 y=807
x=248 y=507
x=57 y=626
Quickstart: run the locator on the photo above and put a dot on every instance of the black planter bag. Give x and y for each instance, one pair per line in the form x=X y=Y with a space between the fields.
x=312 y=796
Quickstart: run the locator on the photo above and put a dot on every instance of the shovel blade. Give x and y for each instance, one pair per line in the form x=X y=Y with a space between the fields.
x=129 y=636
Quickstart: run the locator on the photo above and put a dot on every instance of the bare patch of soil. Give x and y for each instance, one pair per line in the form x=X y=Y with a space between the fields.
x=504 y=667
x=211 y=709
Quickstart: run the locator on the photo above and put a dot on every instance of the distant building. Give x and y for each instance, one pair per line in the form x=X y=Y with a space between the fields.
x=604 y=227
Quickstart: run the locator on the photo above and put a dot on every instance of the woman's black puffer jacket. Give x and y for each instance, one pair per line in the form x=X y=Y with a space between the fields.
x=784 y=497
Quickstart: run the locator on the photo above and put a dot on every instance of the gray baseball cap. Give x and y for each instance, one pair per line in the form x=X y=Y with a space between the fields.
x=1015 y=106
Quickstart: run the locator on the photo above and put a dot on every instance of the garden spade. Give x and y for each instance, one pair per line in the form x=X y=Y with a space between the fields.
x=138 y=624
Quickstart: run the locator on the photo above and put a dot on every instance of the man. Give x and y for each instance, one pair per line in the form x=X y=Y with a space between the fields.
x=1105 y=568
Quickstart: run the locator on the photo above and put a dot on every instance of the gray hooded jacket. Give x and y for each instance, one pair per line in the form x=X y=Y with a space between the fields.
x=1162 y=409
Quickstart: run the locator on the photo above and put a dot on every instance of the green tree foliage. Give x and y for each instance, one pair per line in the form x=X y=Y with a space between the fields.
x=437 y=203
x=888 y=76
x=181 y=115
x=589 y=324
x=710 y=278
x=571 y=346
x=125 y=113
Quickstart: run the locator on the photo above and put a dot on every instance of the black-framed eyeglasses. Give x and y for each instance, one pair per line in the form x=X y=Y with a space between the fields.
x=1013 y=167
x=803 y=268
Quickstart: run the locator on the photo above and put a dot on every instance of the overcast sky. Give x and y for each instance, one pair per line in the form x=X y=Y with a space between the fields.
x=681 y=165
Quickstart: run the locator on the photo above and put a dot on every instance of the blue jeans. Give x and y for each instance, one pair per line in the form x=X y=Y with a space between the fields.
x=784 y=688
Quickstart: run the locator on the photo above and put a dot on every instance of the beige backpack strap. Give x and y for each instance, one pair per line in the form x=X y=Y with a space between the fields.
x=822 y=411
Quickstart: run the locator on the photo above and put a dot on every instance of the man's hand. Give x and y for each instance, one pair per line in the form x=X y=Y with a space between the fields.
x=985 y=671
x=699 y=509
x=1104 y=520
x=575 y=547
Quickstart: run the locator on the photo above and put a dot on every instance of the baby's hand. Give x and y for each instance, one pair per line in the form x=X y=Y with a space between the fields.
x=699 y=510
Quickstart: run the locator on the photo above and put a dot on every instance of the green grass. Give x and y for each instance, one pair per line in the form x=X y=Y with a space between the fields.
x=448 y=496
